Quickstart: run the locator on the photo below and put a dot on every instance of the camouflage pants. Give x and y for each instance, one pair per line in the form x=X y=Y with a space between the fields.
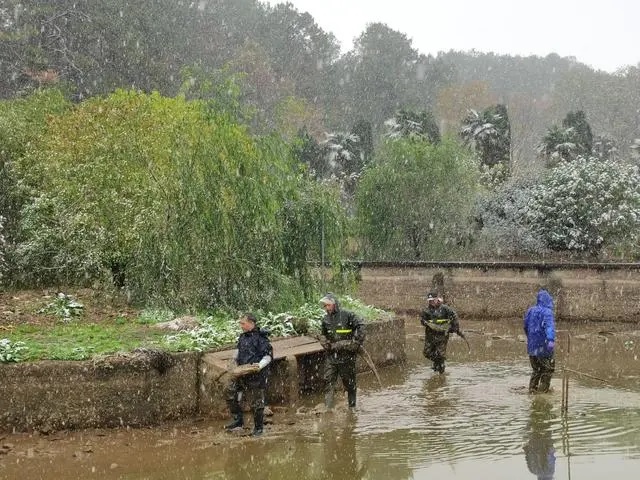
x=435 y=348
x=543 y=368
x=238 y=391
x=346 y=370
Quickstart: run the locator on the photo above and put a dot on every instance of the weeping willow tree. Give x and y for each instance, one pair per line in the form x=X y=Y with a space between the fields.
x=171 y=201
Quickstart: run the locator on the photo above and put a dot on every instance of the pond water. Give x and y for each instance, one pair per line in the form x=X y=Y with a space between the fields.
x=474 y=422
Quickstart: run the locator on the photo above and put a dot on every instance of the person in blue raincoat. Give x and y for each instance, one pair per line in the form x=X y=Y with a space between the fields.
x=540 y=329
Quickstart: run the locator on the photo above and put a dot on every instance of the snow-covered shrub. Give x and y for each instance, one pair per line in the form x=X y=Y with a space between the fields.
x=502 y=216
x=587 y=204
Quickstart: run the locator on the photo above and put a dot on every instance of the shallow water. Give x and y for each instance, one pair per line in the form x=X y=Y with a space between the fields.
x=473 y=422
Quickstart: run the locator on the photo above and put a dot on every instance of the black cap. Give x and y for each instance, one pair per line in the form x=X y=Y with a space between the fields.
x=433 y=295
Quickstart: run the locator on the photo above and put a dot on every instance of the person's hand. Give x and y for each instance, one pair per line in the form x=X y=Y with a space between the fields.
x=245 y=369
x=256 y=367
x=551 y=344
x=324 y=342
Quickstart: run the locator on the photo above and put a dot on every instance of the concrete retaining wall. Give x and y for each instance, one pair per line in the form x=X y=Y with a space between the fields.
x=599 y=294
x=147 y=388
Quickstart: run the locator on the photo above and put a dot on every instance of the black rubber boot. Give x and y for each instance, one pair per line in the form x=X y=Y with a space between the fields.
x=329 y=399
x=351 y=398
x=237 y=422
x=258 y=422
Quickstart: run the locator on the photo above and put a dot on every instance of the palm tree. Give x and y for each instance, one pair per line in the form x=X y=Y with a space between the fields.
x=410 y=124
x=489 y=133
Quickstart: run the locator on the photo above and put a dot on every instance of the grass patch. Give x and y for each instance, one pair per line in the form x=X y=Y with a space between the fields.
x=81 y=340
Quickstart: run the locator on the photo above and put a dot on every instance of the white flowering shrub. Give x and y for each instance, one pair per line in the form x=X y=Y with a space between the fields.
x=502 y=217
x=588 y=204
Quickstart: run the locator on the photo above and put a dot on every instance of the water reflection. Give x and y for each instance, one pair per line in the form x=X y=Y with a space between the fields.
x=340 y=456
x=540 y=454
x=475 y=421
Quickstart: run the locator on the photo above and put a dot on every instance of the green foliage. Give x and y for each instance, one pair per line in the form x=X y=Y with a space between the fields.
x=415 y=201
x=574 y=139
x=63 y=307
x=11 y=351
x=150 y=316
x=490 y=134
x=22 y=122
x=3 y=247
x=79 y=341
x=410 y=124
x=173 y=202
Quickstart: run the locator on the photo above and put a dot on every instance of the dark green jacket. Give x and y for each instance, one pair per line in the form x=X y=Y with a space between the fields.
x=442 y=319
x=345 y=327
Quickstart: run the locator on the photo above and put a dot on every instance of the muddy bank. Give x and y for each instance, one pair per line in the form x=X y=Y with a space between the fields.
x=149 y=387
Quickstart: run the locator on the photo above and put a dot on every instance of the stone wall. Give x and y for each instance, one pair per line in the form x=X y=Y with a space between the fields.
x=148 y=387
x=495 y=291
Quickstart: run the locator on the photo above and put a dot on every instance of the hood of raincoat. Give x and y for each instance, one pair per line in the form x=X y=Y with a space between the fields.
x=545 y=299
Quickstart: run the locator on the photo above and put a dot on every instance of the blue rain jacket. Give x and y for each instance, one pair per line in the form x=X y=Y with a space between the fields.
x=539 y=326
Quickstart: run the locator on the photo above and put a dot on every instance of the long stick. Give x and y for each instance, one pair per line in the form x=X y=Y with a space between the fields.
x=461 y=335
x=369 y=362
x=586 y=375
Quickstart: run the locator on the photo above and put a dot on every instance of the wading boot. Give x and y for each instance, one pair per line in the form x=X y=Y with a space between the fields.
x=329 y=400
x=237 y=422
x=351 y=399
x=258 y=422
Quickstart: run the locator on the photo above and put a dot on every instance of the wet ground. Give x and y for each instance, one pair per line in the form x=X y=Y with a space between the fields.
x=474 y=422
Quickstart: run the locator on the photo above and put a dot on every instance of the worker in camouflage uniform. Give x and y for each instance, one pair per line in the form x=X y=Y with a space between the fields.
x=342 y=336
x=439 y=321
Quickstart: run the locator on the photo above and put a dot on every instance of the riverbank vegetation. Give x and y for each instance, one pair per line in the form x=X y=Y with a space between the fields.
x=211 y=174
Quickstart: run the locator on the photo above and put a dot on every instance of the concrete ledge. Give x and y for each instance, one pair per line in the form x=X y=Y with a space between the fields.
x=602 y=293
x=149 y=387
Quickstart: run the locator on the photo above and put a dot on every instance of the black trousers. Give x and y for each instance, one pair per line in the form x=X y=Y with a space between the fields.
x=542 y=370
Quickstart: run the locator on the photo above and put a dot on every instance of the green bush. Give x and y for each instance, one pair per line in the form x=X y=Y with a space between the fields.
x=181 y=207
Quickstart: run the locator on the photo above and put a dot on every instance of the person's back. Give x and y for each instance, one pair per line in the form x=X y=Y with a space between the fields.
x=539 y=327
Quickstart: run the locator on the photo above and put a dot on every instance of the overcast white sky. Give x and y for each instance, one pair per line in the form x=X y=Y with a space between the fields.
x=604 y=34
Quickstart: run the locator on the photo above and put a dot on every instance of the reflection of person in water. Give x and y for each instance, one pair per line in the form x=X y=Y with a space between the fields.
x=340 y=456
x=539 y=451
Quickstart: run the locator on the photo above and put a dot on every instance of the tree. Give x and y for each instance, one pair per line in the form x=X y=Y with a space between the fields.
x=22 y=122
x=298 y=48
x=376 y=75
x=574 y=139
x=415 y=201
x=174 y=203
x=455 y=101
x=490 y=134
x=576 y=122
x=344 y=159
x=410 y=124
x=588 y=205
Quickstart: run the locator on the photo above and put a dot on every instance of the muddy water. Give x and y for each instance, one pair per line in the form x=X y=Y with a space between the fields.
x=474 y=422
